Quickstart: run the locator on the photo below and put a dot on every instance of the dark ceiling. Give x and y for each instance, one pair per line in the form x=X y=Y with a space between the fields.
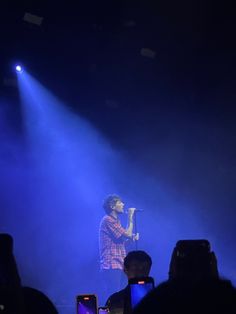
x=88 y=53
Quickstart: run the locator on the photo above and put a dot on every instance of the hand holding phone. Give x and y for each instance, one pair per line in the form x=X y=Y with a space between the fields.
x=103 y=310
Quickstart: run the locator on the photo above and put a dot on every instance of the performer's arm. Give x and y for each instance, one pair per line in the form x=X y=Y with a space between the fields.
x=130 y=223
x=117 y=230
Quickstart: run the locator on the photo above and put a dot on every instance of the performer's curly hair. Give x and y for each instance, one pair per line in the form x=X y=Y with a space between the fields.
x=109 y=202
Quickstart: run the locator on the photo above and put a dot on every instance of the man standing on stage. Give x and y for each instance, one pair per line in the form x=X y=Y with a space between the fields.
x=112 y=238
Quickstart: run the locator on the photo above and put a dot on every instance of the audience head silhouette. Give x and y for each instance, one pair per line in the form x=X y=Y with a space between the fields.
x=137 y=264
x=15 y=299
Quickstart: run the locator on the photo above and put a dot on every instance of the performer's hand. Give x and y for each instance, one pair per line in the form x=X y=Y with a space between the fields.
x=136 y=237
x=131 y=212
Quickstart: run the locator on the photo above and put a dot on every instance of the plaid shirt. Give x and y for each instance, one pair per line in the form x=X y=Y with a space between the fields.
x=111 y=243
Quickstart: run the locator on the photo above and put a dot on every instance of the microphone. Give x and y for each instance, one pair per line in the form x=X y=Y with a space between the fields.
x=137 y=210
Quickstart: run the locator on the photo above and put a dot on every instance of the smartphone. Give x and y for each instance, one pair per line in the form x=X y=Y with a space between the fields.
x=103 y=310
x=139 y=287
x=86 y=304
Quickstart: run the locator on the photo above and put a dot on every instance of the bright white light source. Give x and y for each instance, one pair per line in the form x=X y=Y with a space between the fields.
x=19 y=68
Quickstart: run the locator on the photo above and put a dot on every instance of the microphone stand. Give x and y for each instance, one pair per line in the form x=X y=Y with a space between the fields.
x=135 y=230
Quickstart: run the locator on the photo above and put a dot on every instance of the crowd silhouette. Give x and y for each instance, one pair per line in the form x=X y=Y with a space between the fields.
x=193 y=285
x=14 y=298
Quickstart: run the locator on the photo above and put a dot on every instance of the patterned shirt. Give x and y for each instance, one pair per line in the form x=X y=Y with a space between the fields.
x=111 y=243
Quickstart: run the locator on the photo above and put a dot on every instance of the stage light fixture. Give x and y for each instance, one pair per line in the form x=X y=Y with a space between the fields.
x=19 y=68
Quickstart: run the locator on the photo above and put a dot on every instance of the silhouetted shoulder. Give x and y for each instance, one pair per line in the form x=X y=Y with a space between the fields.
x=205 y=297
x=37 y=302
x=116 y=300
